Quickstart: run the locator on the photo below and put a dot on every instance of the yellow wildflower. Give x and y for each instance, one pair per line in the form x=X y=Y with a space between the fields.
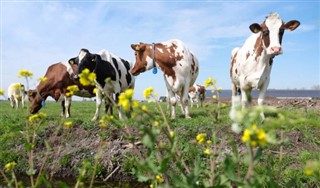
x=156 y=123
x=219 y=89
x=144 y=108
x=254 y=136
x=25 y=73
x=209 y=142
x=36 y=118
x=95 y=90
x=214 y=96
x=208 y=82
x=68 y=124
x=1 y=92
x=129 y=93
x=124 y=102
x=148 y=92
x=159 y=179
x=10 y=166
x=87 y=77
x=171 y=133
x=201 y=137
x=308 y=171
x=207 y=152
x=135 y=104
x=71 y=90
x=43 y=79
x=151 y=186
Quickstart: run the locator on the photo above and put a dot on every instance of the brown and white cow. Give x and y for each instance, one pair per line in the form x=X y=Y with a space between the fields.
x=59 y=77
x=251 y=64
x=178 y=64
x=197 y=94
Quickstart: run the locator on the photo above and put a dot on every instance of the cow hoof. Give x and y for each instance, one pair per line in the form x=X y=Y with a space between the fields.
x=188 y=117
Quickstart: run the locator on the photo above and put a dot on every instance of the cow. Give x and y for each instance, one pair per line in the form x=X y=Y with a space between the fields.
x=58 y=77
x=251 y=64
x=16 y=95
x=179 y=65
x=113 y=75
x=197 y=94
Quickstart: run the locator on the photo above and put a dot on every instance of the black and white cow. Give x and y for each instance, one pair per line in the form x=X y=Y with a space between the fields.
x=112 y=74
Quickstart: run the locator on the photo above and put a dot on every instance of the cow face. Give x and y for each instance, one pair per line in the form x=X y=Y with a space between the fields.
x=143 y=58
x=35 y=103
x=85 y=60
x=272 y=30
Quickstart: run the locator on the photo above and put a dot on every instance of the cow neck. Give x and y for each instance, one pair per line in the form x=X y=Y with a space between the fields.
x=154 y=58
x=42 y=99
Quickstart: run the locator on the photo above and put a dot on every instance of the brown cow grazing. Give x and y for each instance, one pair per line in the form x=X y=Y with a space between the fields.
x=58 y=77
x=197 y=94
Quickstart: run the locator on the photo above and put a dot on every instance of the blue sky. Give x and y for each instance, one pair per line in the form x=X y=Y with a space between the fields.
x=37 y=34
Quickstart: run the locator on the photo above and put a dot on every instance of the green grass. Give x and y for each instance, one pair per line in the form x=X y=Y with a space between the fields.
x=301 y=128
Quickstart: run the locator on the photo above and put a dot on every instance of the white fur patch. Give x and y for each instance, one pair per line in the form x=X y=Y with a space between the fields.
x=69 y=68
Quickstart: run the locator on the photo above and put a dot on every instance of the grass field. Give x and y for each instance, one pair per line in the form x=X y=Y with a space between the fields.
x=67 y=150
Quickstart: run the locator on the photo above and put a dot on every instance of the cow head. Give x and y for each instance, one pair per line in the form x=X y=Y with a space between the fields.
x=35 y=101
x=272 y=30
x=144 y=58
x=84 y=60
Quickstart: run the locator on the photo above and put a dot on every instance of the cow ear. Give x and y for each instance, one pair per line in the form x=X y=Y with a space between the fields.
x=71 y=61
x=255 y=28
x=138 y=47
x=292 y=25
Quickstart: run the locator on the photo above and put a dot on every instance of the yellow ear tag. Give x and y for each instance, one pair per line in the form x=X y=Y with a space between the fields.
x=137 y=48
x=71 y=62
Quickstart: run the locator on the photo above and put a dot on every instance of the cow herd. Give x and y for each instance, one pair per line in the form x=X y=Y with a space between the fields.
x=250 y=69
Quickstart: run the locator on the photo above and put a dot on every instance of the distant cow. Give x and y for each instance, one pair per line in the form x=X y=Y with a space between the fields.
x=16 y=95
x=197 y=94
x=59 y=77
x=113 y=75
x=178 y=63
x=251 y=64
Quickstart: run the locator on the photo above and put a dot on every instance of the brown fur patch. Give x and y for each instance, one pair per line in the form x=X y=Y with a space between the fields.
x=233 y=61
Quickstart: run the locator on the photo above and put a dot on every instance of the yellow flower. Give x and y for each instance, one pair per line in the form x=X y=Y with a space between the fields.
x=308 y=171
x=36 y=118
x=10 y=166
x=1 y=92
x=246 y=135
x=129 y=93
x=254 y=136
x=201 y=137
x=135 y=104
x=124 y=102
x=87 y=77
x=68 y=124
x=148 y=92
x=219 y=89
x=95 y=90
x=171 y=133
x=208 y=82
x=156 y=123
x=151 y=186
x=207 y=152
x=209 y=142
x=214 y=96
x=43 y=79
x=144 y=108
x=71 y=90
x=159 y=179
x=24 y=73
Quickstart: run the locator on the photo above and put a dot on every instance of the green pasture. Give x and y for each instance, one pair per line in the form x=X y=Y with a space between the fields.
x=299 y=144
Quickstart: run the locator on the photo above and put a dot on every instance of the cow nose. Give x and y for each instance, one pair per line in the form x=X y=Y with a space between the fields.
x=276 y=50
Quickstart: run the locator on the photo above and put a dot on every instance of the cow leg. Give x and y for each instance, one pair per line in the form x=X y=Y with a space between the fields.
x=98 y=104
x=67 y=105
x=63 y=108
x=185 y=101
x=16 y=102
x=246 y=97
x=172 y=104
x=22 y=101
x=261 y=96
